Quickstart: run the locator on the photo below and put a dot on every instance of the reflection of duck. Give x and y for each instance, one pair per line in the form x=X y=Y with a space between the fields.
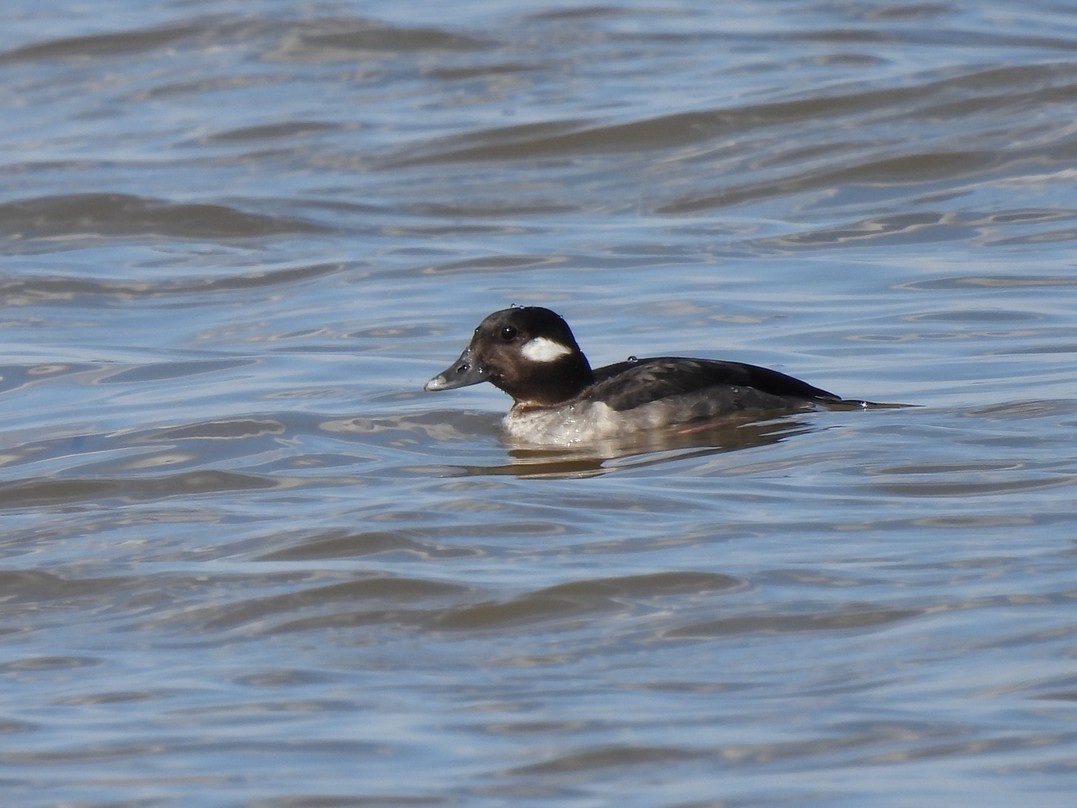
x=644 y=449
x=530 y=353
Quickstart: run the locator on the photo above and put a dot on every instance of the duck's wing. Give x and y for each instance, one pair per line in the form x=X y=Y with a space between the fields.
x=629 y=384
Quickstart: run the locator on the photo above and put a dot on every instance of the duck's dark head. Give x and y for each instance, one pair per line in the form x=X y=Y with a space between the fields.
x=529 y=352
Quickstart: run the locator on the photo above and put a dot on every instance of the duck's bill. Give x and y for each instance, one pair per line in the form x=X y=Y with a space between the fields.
x=461 y=373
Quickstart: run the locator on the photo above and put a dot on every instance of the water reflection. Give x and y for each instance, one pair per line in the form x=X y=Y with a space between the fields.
x=651 y=448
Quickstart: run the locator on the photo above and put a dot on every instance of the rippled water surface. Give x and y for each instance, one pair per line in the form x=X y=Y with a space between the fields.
x=246 y=561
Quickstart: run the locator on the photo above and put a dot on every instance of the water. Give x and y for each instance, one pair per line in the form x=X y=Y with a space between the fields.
x=246 y=561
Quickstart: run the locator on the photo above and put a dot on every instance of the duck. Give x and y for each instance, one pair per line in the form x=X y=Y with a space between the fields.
x=530 y=353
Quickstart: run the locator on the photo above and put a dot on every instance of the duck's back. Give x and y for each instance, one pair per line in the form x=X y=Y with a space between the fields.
x=731 y=386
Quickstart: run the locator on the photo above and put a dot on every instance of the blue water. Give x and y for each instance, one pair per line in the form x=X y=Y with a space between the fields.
x=245 y=560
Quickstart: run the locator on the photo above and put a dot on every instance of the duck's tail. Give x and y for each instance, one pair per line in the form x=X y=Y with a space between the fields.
x=859 y=404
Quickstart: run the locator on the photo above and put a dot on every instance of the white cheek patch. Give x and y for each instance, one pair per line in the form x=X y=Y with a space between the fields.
x=544 y=349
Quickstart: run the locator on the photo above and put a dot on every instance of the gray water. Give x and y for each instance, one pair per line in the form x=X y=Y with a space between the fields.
x=245 y=561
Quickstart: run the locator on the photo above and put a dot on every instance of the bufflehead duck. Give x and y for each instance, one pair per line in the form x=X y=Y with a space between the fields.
x=529 y=352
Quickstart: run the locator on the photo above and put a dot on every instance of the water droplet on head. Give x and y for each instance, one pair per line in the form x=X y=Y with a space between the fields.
x=633 y=359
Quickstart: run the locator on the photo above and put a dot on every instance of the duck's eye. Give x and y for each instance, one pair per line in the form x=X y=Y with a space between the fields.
x=508 y=333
